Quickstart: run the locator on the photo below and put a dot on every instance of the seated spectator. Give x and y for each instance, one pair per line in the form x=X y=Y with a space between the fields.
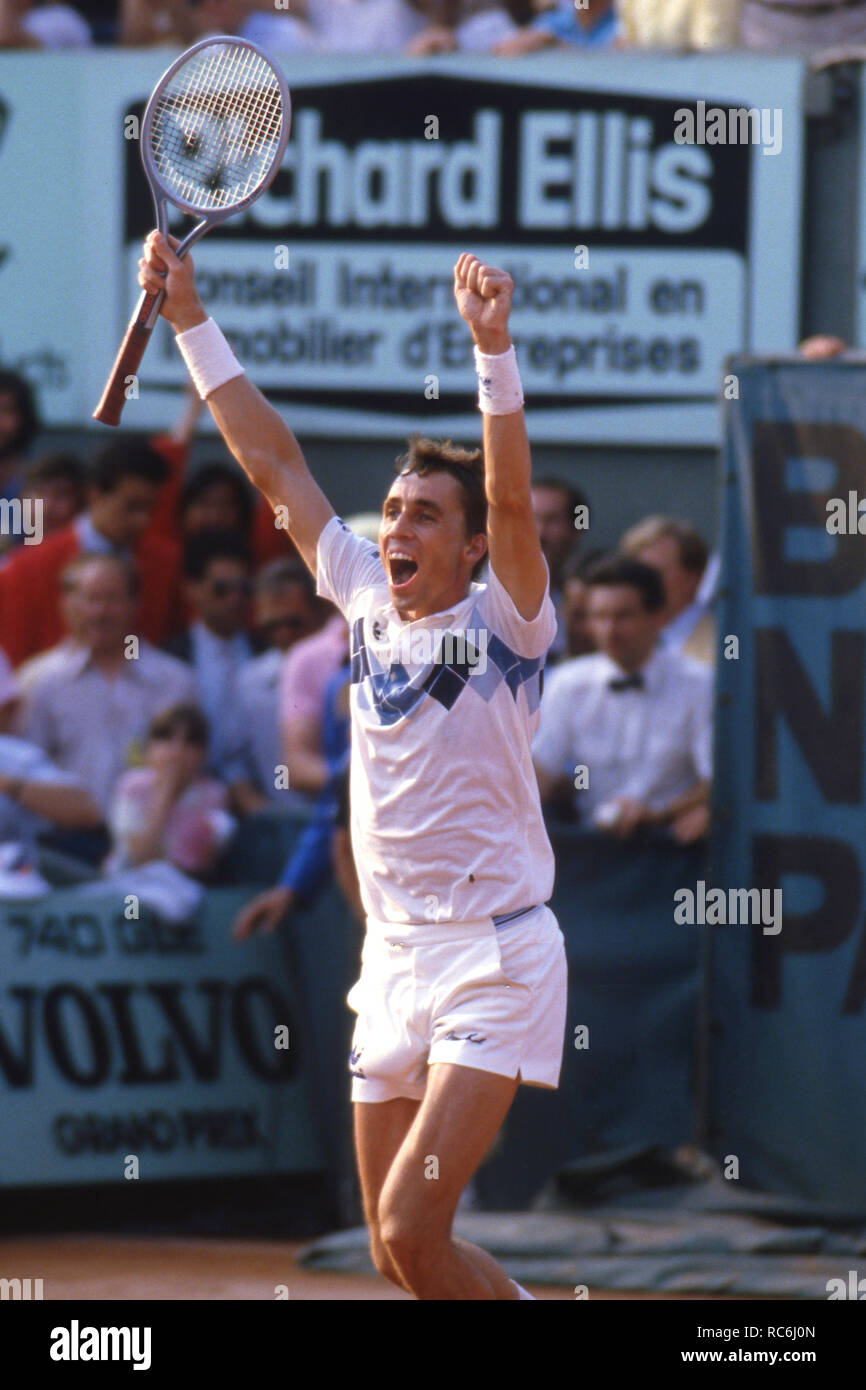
x=168 y=21
x=473 y=25
x=215 y=498
x=286 y=611
x=89 y=703
x=168 y=809
x=802 y=26
x=27 y=25
x=59 y=482
x=699 y=24
x=19 y=423
x=553 y=507
x=123 y=487
x=306 y=673
x=312 y=864
x=628 y=729
x=595 y=24
x=679 y=553
x=216 y=645
x=575 y=607
x=34 y=793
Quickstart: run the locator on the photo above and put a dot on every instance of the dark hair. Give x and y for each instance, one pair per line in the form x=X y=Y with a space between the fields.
x=693 y=550
x=578 y=566
x=187 y=717
x=201 y=550
x=465 y=466
x=12 y=384
x=58 y=466
x=572 y=495
x=615 y=571
x=124 y=563
x=127 y=458
x=283 y=574
x=208 y=476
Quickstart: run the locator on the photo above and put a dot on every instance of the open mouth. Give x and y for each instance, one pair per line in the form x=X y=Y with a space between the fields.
x=402 y=569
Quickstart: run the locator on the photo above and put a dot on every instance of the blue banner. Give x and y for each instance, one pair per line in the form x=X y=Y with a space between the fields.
x=788 y=1095
x=122 y=1038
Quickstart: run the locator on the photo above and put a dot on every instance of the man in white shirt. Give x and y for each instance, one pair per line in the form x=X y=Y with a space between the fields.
x=690 y=576
x=463 y=985
x=629 y=728
x=88 y=702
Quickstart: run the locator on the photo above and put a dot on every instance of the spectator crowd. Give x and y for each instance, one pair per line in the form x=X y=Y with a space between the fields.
x=420 y=27
x=167 y=670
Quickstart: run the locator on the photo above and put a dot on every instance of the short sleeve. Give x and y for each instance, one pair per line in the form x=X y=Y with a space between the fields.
x=552 y=747
x=345 y=565
x=527 y=637
x=702 y=727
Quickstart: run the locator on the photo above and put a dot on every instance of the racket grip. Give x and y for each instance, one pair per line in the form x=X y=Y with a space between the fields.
x=126 y=364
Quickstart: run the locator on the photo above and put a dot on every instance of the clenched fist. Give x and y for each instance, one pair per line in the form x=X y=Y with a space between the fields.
x=483 y=296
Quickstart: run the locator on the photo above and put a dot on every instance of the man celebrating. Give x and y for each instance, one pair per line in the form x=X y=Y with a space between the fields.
x=463 y=983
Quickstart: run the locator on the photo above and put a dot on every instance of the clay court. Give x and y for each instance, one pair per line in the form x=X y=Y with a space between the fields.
x=85 y=1268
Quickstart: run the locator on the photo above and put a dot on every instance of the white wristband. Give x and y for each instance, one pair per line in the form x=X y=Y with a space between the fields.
x=209 y=358
x=499 y=388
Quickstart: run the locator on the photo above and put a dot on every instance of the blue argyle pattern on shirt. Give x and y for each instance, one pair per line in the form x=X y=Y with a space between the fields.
x=394 y=695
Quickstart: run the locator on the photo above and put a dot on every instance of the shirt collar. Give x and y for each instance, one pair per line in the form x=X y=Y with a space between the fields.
x=93 y=542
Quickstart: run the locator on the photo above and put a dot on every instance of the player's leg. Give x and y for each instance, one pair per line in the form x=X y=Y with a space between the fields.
x=460 y=1116
x=380 y=1129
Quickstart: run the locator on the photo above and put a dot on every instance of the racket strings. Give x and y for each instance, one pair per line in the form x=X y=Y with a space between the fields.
x=216 y=126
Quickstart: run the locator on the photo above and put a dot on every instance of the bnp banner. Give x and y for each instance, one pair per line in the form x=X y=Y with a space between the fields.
x=648 y=209
x=130 y=1049
x=789 y=982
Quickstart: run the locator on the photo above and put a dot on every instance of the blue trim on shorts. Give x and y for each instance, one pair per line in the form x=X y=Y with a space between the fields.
x=501 y=920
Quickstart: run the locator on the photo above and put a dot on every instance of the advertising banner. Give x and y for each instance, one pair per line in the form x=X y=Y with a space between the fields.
x=125 y=1039
x=649 y=230
x=789 y=985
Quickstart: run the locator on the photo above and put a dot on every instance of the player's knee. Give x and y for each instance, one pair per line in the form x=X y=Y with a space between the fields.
x=382 y=1260
x=406 y=1243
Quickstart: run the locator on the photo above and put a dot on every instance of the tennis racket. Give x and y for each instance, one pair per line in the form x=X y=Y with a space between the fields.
x=212 y=139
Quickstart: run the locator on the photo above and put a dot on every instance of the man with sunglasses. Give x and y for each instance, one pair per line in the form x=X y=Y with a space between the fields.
x=216 y=644
x=286 y=611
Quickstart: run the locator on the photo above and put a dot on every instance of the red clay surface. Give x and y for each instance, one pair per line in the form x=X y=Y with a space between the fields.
x=140 y=1268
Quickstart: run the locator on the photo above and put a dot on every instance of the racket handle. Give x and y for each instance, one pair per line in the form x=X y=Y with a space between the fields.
x=110 y=408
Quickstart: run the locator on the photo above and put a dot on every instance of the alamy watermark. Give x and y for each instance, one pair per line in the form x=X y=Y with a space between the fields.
x=734 y=125
x=22 y=517
x=736 y=906
x=425 y=646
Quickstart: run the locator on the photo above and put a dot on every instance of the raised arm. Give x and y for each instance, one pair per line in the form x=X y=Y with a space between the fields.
x=255 y=433
x=483 y=296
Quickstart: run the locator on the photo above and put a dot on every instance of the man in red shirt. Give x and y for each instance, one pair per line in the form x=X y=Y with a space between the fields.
x=123 y=489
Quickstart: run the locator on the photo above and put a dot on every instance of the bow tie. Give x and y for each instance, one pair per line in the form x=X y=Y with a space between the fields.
x=632 y=682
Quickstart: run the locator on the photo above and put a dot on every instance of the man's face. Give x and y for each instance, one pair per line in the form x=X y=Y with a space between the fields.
x=423 y=520
x=101 y=607
x=621 y=626
x=575 y=614
x=10 y=420
x=555 y=527
x=122 y=514
x=59 y=499
x=215 y=509
x=221 y=596
x=284 y=616
x=681 y=584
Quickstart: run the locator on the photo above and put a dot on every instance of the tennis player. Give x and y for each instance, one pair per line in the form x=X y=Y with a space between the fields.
x=462 y=993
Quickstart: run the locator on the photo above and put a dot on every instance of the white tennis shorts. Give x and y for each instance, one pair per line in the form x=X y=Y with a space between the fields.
x=472 y=993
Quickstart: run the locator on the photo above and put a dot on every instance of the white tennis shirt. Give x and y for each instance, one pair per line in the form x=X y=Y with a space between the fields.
x=445 y=814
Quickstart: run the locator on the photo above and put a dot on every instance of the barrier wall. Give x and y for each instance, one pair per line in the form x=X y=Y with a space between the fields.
x=121 y=1037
